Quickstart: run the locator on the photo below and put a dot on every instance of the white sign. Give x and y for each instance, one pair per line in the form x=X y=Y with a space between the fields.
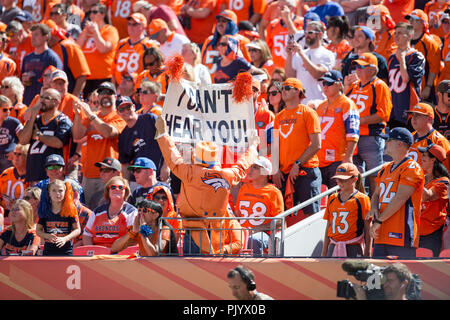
x=195 y=112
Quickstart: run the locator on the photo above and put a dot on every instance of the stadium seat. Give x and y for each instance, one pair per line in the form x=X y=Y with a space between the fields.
x=444 y=253
x=424 y=253
x=90 y=250
x=130 y=250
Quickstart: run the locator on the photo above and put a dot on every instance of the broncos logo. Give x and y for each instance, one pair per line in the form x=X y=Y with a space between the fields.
x=216 y=181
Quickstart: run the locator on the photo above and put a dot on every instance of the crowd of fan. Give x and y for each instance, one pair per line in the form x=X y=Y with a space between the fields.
x=83 y=84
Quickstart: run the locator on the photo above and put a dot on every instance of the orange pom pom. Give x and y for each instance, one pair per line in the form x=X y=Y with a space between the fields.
x=68 y=208
x=242 y=89
x=175 y=66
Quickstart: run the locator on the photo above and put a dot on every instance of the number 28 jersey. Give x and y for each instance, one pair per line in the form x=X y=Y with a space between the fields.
x=401 y=229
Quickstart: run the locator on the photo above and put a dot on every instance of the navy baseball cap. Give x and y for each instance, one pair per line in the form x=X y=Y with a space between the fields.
x=24 y=16
x=332 y=76
x=54 y=159
x=401 y=134
x=123 y=100
x=110 y=163
x=143 y=163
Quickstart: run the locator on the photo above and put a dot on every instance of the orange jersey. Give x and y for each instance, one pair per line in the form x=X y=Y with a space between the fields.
x=244 y=9
x=434 y=213
x=72 y=58
x=17 y=53
x=98 y=147
x=384 y=44
x=100 y=64
x=341 y=50
x=128 y=57
x=277 y=38
x=210 y=54
x=401 y=229
x=373 y=97
x=12 y=185
x=18 y=111
x=37 y=9
x=399 y=9
x=430 y=49
x=162 y=78
x=7 y=67
x=66 y=105
x=339 y=122
x=263 y=202
x=435 y=10
x=294 y=127
x=433 y=136
x=120 y=10
x=346 y=218
x=202 y=28
x=103 y=230
x=445 y=58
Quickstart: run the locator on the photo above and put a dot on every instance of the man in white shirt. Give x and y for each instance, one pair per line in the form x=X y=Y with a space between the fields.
x=310 y=64
x=170 y=41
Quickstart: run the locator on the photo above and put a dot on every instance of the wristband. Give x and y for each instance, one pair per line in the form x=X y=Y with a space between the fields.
x=145 y=230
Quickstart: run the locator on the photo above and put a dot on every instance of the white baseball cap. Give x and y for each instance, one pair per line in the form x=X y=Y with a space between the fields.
x=264 y=163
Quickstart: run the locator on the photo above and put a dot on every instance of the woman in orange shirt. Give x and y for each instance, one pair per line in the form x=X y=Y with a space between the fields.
x=98 y=41
x=337 y=30
x=434 y=198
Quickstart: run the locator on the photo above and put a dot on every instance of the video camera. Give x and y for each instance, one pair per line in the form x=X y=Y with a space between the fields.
x=364 y=272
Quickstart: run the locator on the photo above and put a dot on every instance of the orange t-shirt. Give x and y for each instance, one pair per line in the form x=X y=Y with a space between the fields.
x=401 y=229
x=434 y=213
x=7 y=67
x=445 y=58
x=76 y=60
x=277 y=38
x=373 y=97
x=12 y=185
x=263 y=202
x=98 y=147
x=435 y=10
x=128 y=57
x=346 y=218
x=384 y=44
x=244 y=9
x=100 y=64
x=202 y=28
x=433 y=136
x=294 y=127
x=19 y=52
x=120 y=10
x=339 y=121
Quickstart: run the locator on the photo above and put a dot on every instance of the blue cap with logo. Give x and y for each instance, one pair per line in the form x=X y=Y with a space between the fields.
x=54 y=159
x=332 y=76
x=401 y=134
x=123 y=100
x=143 y=163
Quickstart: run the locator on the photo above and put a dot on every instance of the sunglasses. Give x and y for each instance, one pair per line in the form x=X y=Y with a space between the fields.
x=17 y=154
x=94 y=11
x=106 y=170
x=131 y=24
x=223 y=44
x=54 y=167
x=137 y=170
x=327 y=83
x=288 y=88
x=6 y=109
x=145 y=92
x=358 y=66
x=27 y=198
x=115 y=186
x=4 y=87
x=150 y=64
x=48 y=98
x=123 y=109
x=253 y=50
x=106 y=92
x=311 y=32
x=157 y=198
x=272 y=93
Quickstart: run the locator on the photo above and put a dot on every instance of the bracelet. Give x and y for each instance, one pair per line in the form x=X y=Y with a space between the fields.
x=145 y=230
x=377 y=221
x=92 y=117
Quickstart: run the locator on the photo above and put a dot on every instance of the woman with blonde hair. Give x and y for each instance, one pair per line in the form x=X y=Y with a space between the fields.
x=33 y=196
x=58 y=219
x=13 y=88
x=20 y=237
x=116 y=213
x=192 y=56
x=260 y=55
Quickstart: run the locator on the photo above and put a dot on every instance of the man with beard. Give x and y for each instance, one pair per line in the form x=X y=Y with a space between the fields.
x=46 y=133
x=310 y=64
x=102 y=130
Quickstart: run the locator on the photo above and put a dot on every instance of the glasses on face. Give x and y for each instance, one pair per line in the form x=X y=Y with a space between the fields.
x=253 y=50
x=27 y=198
x=55 y=13
x=137 y=170
x=106 y=170
x=94 y=11
x=222 y=20
x=311 y=32
x=272 y=93
x=6 y=109
x=150 y=64
x=4 y=87
x=17 y=154
x=223 y=44
x=288 y=88
x=48 y=98
x=358 y=66
x=144 y=210
x=133 y=24
x=157 y=198
x=54 y=167
x=116 y=186
x=106 y=92
x=123 y=109
x=145 y=92
x=327 y=83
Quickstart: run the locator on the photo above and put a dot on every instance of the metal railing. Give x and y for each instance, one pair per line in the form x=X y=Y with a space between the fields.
x=277 y=229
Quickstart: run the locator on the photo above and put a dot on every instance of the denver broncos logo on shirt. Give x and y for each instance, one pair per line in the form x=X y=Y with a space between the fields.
x=216 y=181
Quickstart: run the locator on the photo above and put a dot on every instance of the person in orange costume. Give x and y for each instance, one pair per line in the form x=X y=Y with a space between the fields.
x=205 y=188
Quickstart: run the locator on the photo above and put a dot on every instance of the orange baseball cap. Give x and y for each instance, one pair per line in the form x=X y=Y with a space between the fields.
x=156 y=25
x=422 y=108
x=139 y=18
x=436 y=150
x=419 y=14
x=293 y=82
x=346 y=171
x=367 y=59
x=228 y=14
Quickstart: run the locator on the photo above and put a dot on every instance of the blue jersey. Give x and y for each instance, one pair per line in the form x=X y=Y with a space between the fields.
x=37 y=63
x=405 y=95
x=229 y=73
x=8 y=134
x=139 y=141
x=329 y=9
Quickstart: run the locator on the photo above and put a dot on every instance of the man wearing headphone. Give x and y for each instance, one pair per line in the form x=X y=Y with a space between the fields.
x=242 y=284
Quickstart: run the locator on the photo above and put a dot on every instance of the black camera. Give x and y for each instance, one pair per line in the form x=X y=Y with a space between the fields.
x=363 y=272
